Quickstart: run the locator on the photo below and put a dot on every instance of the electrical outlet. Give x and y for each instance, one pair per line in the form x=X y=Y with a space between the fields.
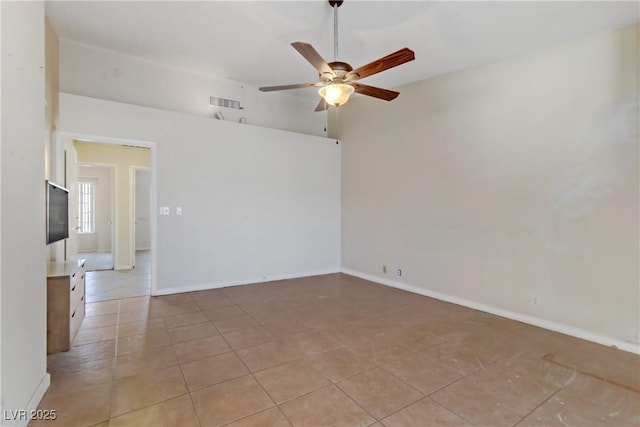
x=535 y=300
x=399 y=272
x=384 y=269
x=164 y=210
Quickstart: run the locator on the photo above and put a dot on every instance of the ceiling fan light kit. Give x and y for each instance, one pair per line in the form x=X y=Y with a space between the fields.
x=336 y=94
x=338 y=79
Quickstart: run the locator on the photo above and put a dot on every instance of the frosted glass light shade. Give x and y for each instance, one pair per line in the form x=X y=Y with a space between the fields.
x=336 y=94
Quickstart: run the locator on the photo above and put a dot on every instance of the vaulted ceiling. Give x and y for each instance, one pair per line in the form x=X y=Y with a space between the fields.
x=249 y=42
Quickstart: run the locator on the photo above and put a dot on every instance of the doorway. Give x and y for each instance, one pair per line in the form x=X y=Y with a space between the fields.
x=95 y=214
x=124 y=272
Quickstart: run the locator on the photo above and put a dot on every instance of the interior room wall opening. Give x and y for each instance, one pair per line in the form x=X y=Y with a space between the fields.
x=113 y=216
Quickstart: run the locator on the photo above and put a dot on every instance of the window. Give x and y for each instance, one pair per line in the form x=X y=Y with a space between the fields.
x=86 y=208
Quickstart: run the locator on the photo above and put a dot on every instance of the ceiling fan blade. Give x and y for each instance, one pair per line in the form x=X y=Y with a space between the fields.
x=382 y=64
x=322 y=105
x=376 y=92
x=312 y=55
x=285 y=87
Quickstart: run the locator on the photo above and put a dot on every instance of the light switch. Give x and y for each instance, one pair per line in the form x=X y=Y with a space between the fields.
x=164 y=210
x=178 y=210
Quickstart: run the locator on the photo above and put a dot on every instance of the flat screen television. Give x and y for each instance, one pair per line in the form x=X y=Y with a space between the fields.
x=57 y=212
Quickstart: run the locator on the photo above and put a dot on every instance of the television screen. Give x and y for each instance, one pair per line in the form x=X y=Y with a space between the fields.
x=57 y=213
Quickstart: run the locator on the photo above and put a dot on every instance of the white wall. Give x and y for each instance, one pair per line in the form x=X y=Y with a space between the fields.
x=258 y=203
x=99 y=73
x=52 y=162
x=23 y=276
x=51 y=91
x=142 y=205
x=101 y=177
x=503 y=182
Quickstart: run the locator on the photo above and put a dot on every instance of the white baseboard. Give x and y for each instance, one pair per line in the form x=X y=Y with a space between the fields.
x=143 y=249
x=31 y=406
x=524 y=318
x=45 y=382
x=224 y=284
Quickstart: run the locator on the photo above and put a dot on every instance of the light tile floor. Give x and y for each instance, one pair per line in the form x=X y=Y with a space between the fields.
x=95 y=261
x=330 y=350
x=115 y=284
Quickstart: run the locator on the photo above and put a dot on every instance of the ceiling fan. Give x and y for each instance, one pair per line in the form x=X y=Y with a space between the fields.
x=338 y=80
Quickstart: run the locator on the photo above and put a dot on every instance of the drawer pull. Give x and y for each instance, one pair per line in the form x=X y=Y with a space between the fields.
x=73 y=275
x=74 y=313
x=82 y=299
x=74 y=288
x=82 y=277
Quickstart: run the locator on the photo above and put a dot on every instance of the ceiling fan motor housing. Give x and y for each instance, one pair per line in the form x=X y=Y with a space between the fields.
x=339 y=73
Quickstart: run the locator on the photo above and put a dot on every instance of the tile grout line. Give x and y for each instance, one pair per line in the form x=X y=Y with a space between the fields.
x=189 y=391
x=357 y=403
x=424 y=396
x=540 y=404
x=250 y=372
x=277 y=405
x=193 y=404
x=114 y=379
x=177 y=364
x=448 y=409
x=447 y=385
x=116 y=339
x=115 y=360
x=331 y=383
x=495 y=362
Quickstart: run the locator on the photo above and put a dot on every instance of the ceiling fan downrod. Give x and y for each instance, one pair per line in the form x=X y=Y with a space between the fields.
x=335 y=4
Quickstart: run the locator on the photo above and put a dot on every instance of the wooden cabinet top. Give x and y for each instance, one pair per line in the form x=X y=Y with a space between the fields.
x=64 y=268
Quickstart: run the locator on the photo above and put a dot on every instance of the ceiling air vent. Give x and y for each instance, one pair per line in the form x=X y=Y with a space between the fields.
x=224 y=102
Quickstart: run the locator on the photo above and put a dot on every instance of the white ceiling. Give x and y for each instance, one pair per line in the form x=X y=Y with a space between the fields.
x=249 y=42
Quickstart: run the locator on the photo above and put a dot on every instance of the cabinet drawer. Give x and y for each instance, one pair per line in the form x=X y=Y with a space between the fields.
x=77 y=314
x=77 y=278
x=76 y=275
x=76 y=291
x=77 y=298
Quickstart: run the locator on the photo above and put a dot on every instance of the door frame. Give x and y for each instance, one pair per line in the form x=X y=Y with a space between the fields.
x=61 y=137
x=132 y=212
